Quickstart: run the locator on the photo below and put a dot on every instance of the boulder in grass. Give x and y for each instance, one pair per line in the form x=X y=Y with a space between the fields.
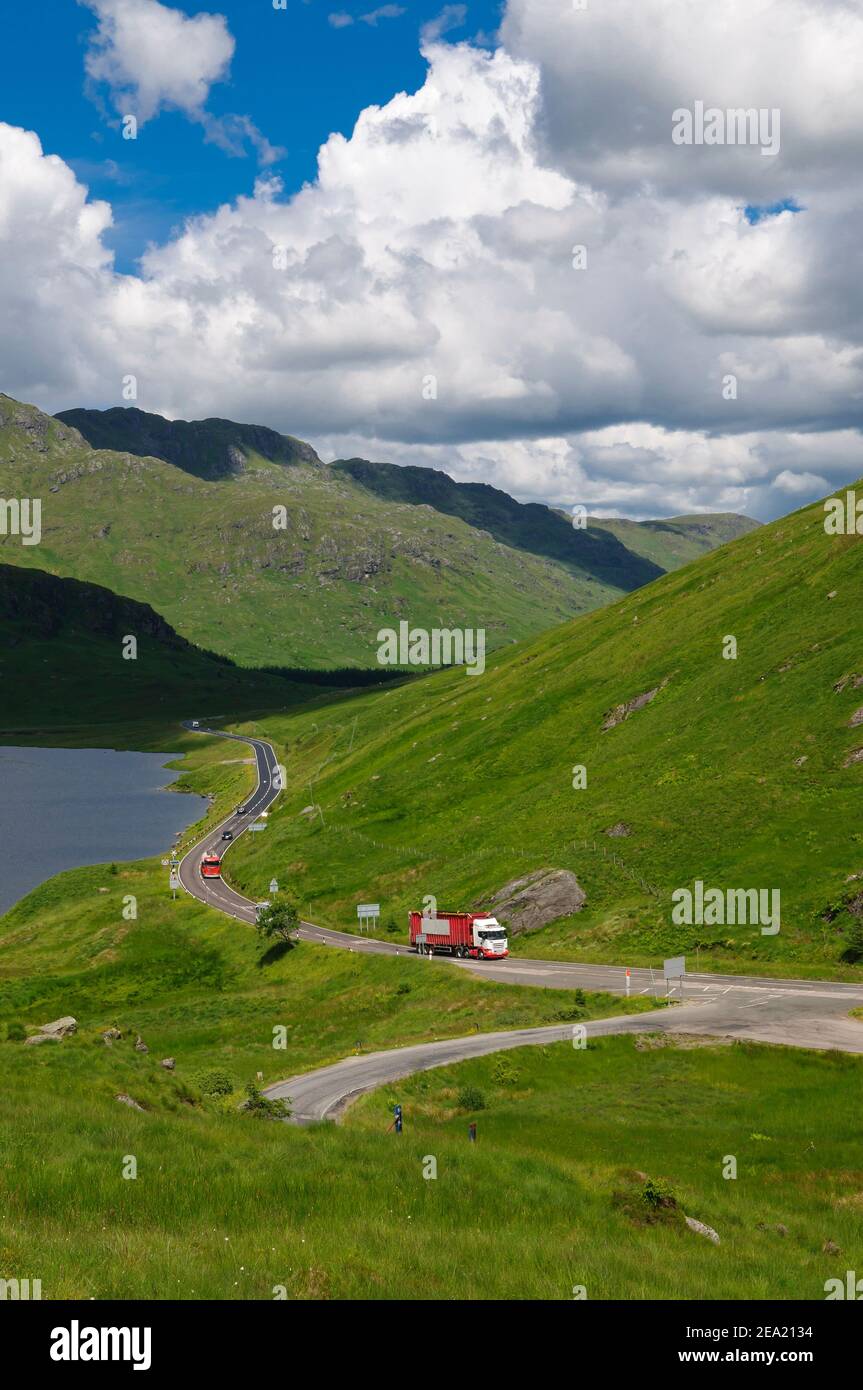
x=61 y=1027
x=140 y=1045
x=527 y=903
x=127 y=1100
x=701 y=1230
x=36 y=1038
x=168 y=1063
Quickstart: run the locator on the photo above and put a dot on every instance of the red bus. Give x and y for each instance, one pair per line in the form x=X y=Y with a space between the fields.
x=211 y=866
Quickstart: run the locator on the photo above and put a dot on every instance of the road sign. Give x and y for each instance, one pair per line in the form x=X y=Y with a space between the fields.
x=674 y=970
x=274 y=887
x=257 y=826
x=174 y=882
x=164 y=863
x=368 y=914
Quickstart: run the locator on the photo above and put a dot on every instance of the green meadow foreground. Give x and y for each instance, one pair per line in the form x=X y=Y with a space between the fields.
x=555 y=1193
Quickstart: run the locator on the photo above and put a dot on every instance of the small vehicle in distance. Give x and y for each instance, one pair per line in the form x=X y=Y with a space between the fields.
x=240 y=811
x=227 y=834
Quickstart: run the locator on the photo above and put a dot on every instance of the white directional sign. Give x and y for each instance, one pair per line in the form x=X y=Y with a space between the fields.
x=274 y=886
x=174 y=881
x=257 y=826
x=368 y=914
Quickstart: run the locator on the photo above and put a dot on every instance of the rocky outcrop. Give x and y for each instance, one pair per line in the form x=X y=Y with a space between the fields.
x=56 y=1031
x=620 y=712
x=527 y=903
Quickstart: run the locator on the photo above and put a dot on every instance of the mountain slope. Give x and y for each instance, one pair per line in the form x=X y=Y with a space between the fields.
x=312 y=591
x=62 y=663
x=527 y=526
x=205 y=448
x=674 y=542
x=744 y=773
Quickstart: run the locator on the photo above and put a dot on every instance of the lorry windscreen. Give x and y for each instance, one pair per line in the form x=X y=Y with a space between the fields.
x=499 y=935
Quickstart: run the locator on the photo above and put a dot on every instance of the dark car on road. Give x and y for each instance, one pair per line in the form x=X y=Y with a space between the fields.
x=227 y=834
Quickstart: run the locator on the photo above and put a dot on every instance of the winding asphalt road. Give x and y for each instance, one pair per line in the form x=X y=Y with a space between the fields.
x=797 y=1013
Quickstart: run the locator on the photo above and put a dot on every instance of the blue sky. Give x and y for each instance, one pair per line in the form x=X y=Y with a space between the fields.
x=705 y=354
x=294 y=73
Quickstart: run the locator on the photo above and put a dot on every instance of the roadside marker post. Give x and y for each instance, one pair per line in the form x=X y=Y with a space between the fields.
x=627 y=982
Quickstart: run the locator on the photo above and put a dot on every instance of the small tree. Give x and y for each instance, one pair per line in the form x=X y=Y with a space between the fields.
x=259 y=1104
x=278 y=921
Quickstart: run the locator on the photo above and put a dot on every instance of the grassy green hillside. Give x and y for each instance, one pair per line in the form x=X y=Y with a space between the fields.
x=743 y=773
x=63 y=675
x=674 y=542
x=205 y=554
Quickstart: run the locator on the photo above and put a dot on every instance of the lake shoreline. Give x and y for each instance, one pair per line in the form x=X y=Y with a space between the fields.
x=67 y=808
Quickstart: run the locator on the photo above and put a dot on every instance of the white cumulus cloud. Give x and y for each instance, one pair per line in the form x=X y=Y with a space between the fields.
x=504 y=273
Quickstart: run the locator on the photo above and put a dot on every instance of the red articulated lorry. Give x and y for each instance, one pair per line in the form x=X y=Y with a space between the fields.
x=467 y=934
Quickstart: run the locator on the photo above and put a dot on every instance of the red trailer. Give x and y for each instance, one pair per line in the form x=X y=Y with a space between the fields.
x=477 y=935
